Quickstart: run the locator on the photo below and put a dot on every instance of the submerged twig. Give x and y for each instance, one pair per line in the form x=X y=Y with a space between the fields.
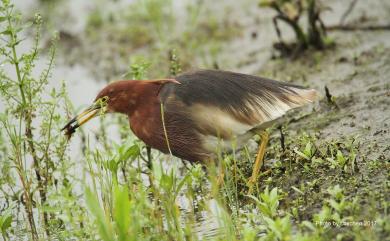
x=348 y=11
x=356 y=28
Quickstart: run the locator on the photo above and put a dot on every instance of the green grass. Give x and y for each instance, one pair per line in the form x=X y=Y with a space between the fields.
x=152 y=29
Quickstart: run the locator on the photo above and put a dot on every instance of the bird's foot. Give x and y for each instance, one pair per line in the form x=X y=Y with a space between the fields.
x=253 y=179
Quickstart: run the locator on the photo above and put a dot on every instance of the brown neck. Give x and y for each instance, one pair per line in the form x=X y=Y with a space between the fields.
x=143 y=95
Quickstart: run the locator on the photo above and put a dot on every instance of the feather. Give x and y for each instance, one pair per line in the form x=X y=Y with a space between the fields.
x=227 y=104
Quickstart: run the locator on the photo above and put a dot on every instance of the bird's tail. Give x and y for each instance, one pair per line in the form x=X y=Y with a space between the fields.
x=303 y=96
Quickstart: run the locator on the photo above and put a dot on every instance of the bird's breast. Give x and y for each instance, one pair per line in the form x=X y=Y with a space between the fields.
x=180 y=133
x=216 y=144
x=146 y=125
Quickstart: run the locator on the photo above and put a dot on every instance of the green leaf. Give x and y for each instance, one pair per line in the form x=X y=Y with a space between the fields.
x=307 y=150
x=309 y=225
x=181 y=183
x=112 y=165
x=335 y=205
x=132 y=152
x=249 y=233
x=265 y=3
x=6 y=223
x=103 y=224
x=122 y=208
x=6 y=32
x=336 y=192
x=302 y=155
x=297 y=190
x=323 y=215
x=274 y=194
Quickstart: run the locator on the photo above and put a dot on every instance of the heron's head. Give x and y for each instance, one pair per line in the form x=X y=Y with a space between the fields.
x=115 y=97
x=120 y=97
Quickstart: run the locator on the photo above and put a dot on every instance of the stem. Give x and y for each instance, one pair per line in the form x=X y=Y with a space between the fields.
x=315 y=36
x=358 y=28
x=165 y=129
x=23 y=179
x=16 y=62
x=347 y=12
x=28 y=115
x=301 y=37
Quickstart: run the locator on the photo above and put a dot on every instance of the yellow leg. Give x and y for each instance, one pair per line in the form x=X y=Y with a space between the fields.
x=259 y=161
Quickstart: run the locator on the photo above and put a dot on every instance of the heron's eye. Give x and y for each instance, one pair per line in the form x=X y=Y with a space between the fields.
x=105 y=99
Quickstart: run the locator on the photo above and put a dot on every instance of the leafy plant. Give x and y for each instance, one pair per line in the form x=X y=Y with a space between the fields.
x=290 y=12
x=278 y=229
x=344 y=156
x=34 y=150
x=269 y=202
x=308 y=152
x=5 y=224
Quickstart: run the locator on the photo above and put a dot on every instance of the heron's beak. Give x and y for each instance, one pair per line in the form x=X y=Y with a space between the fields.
x=96 y=109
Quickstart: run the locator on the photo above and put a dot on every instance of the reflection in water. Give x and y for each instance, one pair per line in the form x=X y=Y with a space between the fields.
x=205 y=225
